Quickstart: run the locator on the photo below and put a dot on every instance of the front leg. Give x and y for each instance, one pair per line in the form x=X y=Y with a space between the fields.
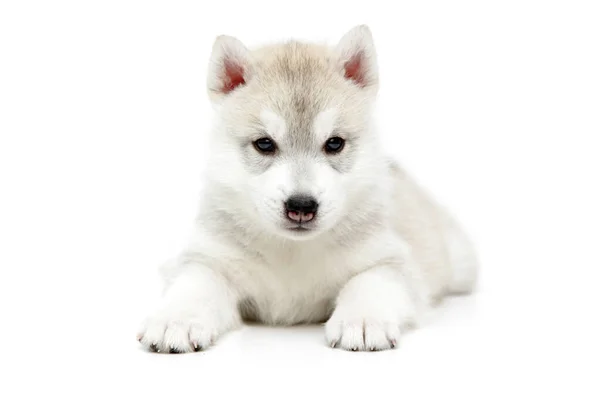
x=372 y=309
x=198 y=306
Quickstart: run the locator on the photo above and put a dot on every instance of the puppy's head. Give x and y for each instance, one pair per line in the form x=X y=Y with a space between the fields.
x=293 y=141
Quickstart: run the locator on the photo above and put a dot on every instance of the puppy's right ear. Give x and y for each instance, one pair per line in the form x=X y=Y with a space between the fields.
x=229 y=67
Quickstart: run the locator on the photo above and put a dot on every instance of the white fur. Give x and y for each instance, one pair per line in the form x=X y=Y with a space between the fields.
x=273 y=123
x=197 y=308
x=379 y=253
x=324 y=123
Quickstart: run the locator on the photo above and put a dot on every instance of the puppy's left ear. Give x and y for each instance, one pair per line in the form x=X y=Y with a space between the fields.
x=229 y=67
x=356 y=57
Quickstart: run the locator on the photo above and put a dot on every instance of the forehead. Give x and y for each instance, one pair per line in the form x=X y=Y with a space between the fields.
x=304 y=131
x=299 y=87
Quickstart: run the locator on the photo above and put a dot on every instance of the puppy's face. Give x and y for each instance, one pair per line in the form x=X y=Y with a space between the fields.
x=294 y=137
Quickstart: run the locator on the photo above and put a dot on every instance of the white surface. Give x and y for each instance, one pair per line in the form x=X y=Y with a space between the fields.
x=102 y=110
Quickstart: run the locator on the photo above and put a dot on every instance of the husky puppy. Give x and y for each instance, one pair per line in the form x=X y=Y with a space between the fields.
x=304 y=219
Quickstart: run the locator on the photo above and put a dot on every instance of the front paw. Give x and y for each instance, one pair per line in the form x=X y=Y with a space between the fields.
x=361 y=333
x=172 y=333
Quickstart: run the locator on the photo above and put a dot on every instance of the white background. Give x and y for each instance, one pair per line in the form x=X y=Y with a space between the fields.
x=494 y=106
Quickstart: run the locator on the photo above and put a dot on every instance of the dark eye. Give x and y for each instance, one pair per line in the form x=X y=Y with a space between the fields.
x=264 y=145
x=334 y=145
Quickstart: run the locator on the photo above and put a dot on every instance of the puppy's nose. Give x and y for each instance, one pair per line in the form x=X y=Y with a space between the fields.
x=301 y=208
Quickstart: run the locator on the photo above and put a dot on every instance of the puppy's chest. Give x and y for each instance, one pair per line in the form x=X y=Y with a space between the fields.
x=293 y=287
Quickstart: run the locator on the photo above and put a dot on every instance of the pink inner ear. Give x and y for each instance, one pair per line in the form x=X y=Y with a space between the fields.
x=234 y=76
x=355 y=69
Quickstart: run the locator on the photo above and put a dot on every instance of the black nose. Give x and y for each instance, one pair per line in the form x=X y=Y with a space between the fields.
x=301 y=208
x=302 y=204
